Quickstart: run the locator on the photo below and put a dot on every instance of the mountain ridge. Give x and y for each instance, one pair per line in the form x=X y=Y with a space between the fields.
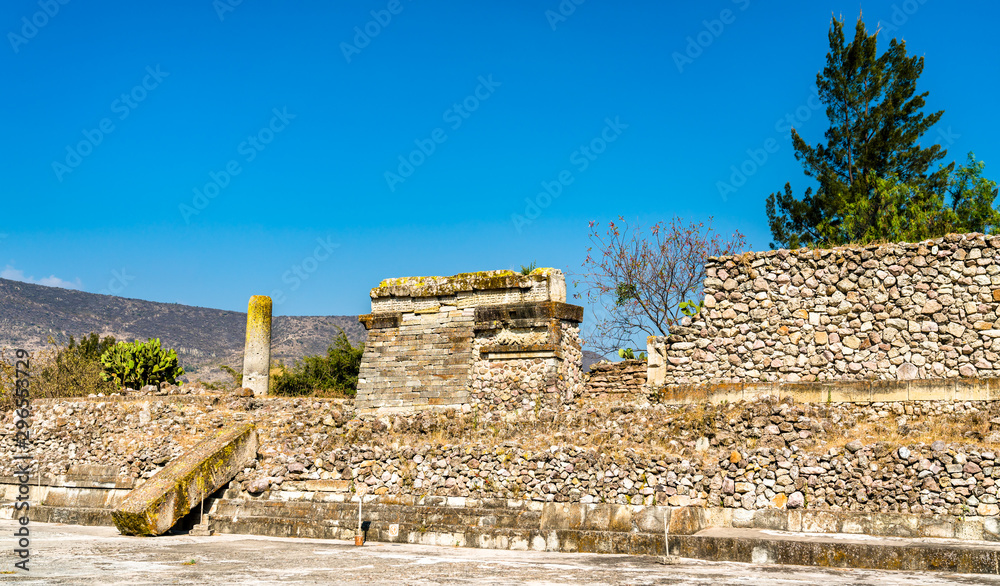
x=203 y=337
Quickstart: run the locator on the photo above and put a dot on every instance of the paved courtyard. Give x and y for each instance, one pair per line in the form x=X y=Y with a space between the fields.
x=69 y=554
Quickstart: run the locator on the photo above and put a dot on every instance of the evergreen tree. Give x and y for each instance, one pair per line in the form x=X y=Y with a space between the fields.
x=875 y=127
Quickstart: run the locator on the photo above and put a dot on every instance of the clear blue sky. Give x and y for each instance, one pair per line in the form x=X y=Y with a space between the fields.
x=116 y=112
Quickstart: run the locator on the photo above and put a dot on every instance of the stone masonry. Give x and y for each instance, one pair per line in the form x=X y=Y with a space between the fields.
x=929 y=310
x=627 y=377
x=493 y=339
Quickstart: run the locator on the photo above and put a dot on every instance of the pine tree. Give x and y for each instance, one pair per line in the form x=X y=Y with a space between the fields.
x=875 y=127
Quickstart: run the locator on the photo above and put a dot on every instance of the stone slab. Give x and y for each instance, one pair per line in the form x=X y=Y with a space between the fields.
x=154 y=507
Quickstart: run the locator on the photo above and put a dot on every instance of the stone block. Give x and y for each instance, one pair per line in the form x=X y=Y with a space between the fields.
x=889 y=390
x=597 y=518
x=931 y=390
x=328 y=485
x=816 y=521
x=154 y=507
x=849 y=392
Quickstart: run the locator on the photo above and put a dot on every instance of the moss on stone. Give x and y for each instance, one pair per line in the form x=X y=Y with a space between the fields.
x=481 y=280
x=259 y=317
x=170 y=490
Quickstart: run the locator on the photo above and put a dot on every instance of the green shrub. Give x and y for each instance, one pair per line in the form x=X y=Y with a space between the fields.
x=91 y=346
x=235 y=375
x=58 y=371
x=333 y=374
x=138 y=364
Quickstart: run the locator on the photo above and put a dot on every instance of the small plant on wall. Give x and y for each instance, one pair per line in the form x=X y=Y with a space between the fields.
x=629 y=354
x=690 y=308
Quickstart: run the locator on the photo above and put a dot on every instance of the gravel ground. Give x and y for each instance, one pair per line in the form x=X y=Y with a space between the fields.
x=68 y=554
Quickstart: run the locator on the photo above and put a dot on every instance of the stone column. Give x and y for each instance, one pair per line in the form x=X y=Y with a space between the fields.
x=257 y=352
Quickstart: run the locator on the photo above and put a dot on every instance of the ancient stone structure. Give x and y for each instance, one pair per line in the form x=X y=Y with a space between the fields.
x=891 y=312
x=157 y=505
x=493 y=339
x=627 y=378
x=257 y=352
x=754 y=456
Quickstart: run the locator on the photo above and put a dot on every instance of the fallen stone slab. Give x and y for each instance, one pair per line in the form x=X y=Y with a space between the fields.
x=154 y=507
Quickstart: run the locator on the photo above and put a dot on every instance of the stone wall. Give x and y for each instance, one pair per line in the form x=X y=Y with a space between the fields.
x=627 y=377
x=879 y=457
x=493 y=339
x=889 y=312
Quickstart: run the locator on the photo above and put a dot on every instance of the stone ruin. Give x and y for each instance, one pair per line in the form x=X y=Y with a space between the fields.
x=492 y=340
x=891 y=312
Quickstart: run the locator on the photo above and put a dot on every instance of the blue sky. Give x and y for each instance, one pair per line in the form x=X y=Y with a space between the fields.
x=199 y=152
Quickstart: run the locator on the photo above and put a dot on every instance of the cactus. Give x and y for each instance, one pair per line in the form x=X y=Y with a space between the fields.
x=138 y=364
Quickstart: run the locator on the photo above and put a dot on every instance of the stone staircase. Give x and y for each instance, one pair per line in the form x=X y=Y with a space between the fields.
x=204 y=526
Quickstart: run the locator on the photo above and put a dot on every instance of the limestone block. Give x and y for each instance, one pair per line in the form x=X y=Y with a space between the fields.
x=154 y=507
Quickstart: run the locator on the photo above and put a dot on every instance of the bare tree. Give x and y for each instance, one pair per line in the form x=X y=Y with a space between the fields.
x=636 y=281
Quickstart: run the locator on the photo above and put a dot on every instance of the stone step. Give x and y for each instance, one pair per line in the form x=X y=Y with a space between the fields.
x=448 y=536
x=69 y=515
x=204 y=527
x=347 y=512
x=839 y=550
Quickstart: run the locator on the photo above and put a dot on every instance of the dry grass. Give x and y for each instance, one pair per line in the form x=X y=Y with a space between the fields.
x=971 y=429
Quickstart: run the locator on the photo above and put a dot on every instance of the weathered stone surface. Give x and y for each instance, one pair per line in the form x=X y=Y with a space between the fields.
x=498 y=340
x=257 y=352
x=882 y=312
x=318 y=449
x=627 y=377
x=907 y=371
x=154 y=507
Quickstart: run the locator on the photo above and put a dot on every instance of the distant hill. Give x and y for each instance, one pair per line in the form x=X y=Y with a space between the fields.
x=203 y=338
x=590 y=357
